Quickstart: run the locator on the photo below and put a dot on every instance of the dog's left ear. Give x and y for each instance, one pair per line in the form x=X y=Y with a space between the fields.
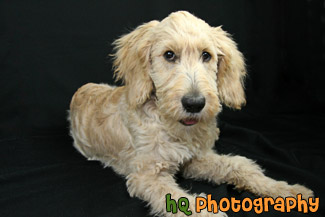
x=132 y=63
x=231 y=70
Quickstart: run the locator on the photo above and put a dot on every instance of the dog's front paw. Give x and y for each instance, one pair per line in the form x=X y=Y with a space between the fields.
x=283 y=189
x=300 y=189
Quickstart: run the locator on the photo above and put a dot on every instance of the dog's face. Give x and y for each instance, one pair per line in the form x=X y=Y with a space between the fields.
x=184 y=69
x=190 y=66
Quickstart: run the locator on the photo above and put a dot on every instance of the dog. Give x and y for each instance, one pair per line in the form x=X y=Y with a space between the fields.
x=177 y=74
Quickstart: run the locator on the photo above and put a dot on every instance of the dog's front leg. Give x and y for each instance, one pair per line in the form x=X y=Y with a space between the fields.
x=153 y=189
x=241 y=172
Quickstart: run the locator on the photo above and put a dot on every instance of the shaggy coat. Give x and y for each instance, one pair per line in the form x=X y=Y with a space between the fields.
x=144 y=130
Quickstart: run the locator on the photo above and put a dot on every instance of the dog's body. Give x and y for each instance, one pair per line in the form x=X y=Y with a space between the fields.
x=177 y=72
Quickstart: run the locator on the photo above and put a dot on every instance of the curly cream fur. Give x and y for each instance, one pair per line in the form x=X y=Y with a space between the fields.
x=135 y=128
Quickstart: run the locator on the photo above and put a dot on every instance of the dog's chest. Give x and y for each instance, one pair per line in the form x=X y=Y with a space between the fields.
x=163 y=141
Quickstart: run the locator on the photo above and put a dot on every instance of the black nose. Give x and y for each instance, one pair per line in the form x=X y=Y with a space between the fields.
x=193 y=103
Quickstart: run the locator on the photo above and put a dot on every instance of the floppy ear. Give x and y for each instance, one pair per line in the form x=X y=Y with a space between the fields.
x=231 y=70
x=132 y=63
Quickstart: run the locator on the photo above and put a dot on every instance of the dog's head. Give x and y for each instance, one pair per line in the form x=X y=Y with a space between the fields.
x=190 y=66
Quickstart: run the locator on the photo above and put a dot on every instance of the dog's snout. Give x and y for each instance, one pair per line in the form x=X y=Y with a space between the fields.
x=193 y=103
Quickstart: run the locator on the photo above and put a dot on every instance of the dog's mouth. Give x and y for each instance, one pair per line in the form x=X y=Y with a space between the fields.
x=188 y=121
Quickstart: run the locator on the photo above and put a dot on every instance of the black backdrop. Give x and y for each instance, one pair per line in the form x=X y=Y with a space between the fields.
x=50 y=48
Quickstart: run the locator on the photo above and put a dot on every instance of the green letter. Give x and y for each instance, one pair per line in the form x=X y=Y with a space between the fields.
x=184 y=207
x=170 y=202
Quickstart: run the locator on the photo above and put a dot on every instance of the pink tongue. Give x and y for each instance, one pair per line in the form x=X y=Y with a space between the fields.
x=190 y=122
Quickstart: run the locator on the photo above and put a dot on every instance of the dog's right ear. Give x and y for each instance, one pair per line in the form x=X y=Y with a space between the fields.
x=132 y=63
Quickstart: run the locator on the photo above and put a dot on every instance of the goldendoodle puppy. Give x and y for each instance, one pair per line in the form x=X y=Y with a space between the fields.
x=177 y=73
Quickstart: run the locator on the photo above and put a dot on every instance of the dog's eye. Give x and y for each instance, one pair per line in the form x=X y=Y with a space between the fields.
x=206 y=56
x=170 y=56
